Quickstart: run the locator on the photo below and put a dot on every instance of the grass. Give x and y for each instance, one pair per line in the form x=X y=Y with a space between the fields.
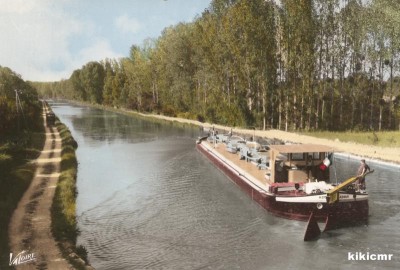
x=63 y=210
x=16 y=174
x=383 y=138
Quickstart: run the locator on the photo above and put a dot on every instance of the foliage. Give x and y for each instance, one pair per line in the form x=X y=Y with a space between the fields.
x=63 y=209
x=300 y=65
x=19 y=106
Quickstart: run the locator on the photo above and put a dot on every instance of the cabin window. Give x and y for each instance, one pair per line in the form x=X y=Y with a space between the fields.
x=316 y=156
x=297 y=156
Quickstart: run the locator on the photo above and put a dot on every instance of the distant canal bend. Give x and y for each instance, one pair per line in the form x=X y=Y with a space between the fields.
x=148 y=200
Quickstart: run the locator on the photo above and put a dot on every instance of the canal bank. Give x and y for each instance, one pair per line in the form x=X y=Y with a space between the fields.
x=390 y=155
x=147 y=199
x=63 y=208
x=386 y=154
x=30 y=225
x=42 y=224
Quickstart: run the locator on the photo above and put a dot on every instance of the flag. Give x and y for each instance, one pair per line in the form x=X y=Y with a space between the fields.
x=327 y=162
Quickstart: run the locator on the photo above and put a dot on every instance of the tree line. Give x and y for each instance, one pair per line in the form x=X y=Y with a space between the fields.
x=20 y=108
x=293 y=65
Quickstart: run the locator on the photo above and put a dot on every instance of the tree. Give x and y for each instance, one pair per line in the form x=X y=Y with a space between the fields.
x=321 y=64
x=92 y=77
x=20 y=109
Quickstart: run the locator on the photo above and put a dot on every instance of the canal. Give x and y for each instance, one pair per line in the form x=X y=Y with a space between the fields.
x=148 y=200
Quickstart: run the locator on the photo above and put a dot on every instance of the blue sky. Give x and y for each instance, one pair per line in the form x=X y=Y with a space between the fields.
x=45 y=40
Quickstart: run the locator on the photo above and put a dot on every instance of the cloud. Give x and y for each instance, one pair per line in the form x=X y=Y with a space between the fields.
x=43 y=41
x=101 y=49
x=127 y=25
x=16 y=6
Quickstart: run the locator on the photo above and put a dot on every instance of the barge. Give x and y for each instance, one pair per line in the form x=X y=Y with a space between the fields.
x=290 y=181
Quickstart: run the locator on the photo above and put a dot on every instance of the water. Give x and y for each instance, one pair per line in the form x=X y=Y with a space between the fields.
x=148 y=200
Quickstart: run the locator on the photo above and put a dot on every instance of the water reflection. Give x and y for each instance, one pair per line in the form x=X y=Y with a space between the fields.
x=148 y=200
x=105 y=126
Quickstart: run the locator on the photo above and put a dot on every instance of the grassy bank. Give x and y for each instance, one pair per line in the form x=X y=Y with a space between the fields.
x=63 y=210
x=16 y=174
x=380 y=145
x=384 y=138
x=144 y=116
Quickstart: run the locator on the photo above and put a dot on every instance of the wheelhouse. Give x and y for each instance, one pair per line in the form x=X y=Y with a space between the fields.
x=298 y=163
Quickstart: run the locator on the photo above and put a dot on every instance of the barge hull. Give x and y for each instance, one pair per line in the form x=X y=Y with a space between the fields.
x=340 y=214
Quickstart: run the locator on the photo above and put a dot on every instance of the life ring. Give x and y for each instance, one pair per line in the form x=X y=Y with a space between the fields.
x=320 y=206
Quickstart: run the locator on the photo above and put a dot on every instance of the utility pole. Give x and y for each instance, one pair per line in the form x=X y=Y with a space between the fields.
x=19 y=108
x=16 y=104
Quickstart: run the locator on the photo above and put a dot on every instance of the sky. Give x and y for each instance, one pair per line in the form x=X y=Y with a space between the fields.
x=46 y=40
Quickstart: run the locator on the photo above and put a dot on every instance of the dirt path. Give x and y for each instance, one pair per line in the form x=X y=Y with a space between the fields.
x=30 y=226
x=387 y=154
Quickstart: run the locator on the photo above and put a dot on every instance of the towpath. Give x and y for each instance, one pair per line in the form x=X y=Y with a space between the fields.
x=388 y=154
x=30 y=226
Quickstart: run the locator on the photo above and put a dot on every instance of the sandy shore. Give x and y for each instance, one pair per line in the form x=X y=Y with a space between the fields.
x=369 y=152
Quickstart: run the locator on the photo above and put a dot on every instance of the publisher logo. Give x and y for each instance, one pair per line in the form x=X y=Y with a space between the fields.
x=21 y=258
x=366 y=256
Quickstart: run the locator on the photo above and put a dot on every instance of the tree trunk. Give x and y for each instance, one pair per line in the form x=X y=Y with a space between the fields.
x=391 y=93
x=362 y=115
x=302 y=105
x=264 y=109
x=198 y=91
x=332 y=94
x=154 y=92
x=372 y=107
x=228 y=87
x=287 y=112
x=353 y=111
x=295 y=113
